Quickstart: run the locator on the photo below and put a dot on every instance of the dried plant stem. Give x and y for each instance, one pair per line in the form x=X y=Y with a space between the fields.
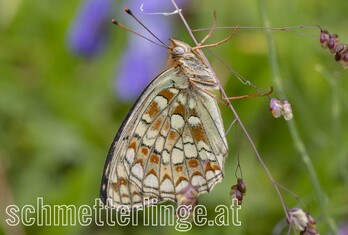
x=298 y=142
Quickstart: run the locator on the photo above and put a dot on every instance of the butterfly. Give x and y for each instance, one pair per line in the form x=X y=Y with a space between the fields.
x=172 y=137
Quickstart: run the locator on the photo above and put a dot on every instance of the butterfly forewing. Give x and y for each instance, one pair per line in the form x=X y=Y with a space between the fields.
x=172 y=137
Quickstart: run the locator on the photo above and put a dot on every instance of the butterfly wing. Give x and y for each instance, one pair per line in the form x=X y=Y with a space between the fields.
x=116 y=189
x=172 y=137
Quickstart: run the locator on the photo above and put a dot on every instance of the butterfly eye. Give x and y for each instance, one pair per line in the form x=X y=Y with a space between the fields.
x=178 y=51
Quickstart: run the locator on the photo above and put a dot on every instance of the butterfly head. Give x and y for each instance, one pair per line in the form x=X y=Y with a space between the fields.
x=179 y=49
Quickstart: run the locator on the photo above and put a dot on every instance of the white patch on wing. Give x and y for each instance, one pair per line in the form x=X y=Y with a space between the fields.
x=151 y=181
x=190 y=150
x=130 y=155
x=159 y=143
x=138 y=171
x=194 y=121
x=197 y=180
x=165 y=157
x=173 y=91
x=141 y=128
x=147 y=141
x=202 y=145
x=182 y=98
x=167 y=186
x=177 y=122
x=181 y=185
x=192 y=103
x=177 y=156
x=151 y=133
x=161 y=102
x=147 y=118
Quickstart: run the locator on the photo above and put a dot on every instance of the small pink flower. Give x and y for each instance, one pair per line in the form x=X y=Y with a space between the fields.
x=287 y=111
x=188 y=199
x=275 y=107
x=302 y=222
x=281 y=108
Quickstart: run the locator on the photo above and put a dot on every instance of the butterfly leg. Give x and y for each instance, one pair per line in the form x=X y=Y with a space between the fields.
x=250 y=96
x=211 y=30
x=217 y=43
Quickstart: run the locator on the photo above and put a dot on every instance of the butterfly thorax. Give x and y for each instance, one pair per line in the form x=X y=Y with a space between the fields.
x=191 y=65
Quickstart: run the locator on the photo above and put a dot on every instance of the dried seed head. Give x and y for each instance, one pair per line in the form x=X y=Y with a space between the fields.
x=333 y=40
x=340 y=51
x=241 y=186
x=344 y=60
x=238 y=191
x=324 y=38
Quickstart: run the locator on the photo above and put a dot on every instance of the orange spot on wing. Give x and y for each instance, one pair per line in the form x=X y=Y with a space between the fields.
x=133 y=145
x=193 y=112
x=123 y=181
x=196 y=173
x=115 y=186
x=166 y=176
x=178 y=168
x=181 y=178
x=216 y=167
x=166 y=94
x=154 y=159
x=153 y=109
x=151 y=172
x=193 y=163
x=208 y=166
x=157 y=124
x=165 y=127
x=139 y=161
x=144 y=150
x=198 y=133
x=173 y=135
x=180 y=109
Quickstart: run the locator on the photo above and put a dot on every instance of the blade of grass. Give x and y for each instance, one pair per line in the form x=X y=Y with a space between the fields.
x=337 y=102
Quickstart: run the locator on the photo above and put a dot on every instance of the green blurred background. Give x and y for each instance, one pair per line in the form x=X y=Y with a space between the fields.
x=59 y=112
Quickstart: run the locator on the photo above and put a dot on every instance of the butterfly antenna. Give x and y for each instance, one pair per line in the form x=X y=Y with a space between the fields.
x=141 y=23
x=138 y=34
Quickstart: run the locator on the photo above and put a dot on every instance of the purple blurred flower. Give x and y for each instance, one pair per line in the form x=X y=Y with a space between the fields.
x=88 y=32
x=142 y=60
x=343 y=230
